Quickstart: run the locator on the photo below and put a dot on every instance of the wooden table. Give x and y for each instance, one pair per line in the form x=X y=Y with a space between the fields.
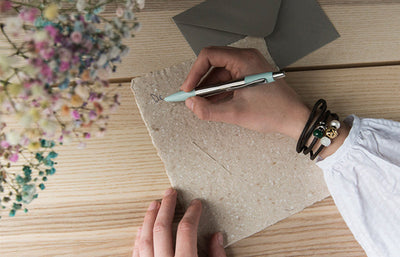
x=96 y=201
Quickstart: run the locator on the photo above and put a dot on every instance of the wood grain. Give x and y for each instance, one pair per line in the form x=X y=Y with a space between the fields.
x=368 y=29
x=97 y=199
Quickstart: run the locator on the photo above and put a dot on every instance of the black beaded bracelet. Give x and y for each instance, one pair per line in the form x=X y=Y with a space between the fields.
x=320 y=129
x=329 y=135
x=308 y=129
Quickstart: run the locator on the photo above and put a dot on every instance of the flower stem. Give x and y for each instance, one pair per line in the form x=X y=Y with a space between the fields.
x=12 y=43
x=26 y=4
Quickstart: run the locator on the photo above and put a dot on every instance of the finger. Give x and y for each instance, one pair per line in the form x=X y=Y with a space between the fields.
x=146 y=235
x=162 y=231
x=186 y=239
x=216 y=76
x=136 y=245
x=217 y=56
x=206 y=110
x=216 y=248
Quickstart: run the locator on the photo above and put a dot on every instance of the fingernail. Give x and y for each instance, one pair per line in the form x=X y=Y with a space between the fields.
x=220 y=239
x=169 y=191
x=189 y=103
x=152 y=206
x=195 y=201
x=183 y=84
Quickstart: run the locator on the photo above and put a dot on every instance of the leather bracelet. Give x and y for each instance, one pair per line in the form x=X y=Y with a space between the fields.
x=306 y=133
x=321 y=123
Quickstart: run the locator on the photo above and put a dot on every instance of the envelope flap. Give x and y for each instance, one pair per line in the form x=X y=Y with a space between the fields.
x=251 y=17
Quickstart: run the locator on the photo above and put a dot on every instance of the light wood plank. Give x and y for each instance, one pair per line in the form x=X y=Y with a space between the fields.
x=368 y=32
x=368 y=29
x=97 y=199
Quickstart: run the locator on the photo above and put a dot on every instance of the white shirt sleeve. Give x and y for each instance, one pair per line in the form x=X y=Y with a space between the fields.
x=363 y=177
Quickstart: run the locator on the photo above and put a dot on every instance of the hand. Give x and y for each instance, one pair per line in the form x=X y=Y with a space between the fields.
x=274 y=107
x=154 y=238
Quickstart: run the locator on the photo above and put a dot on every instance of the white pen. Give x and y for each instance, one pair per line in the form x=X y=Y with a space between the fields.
x=247 y=81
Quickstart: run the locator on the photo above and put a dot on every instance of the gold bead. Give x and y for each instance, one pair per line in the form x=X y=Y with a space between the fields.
x=331 y=132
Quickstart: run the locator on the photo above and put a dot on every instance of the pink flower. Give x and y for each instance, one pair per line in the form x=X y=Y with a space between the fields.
x=41 y=45
x=76 y=37
x=46 y=53
x=29 y=15
x=5 y=6
x=92 y=115
x=75 y=114
x=14 y=157
x=47 y=72
x=51 y=30
x=64 y=66
x=4 y=144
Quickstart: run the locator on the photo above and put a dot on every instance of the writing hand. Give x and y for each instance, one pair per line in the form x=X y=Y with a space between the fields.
x=274 y=107
x=154 y=238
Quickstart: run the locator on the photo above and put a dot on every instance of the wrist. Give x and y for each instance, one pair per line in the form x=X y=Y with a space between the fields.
x=317 y=138
x=295 y=126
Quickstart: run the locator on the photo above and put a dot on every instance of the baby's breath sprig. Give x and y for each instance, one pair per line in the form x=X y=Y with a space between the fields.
x=54 y=84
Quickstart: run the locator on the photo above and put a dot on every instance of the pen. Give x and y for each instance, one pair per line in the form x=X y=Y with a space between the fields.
x=248 y=81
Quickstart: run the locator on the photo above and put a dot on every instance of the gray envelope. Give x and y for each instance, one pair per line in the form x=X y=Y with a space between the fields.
x=291 y=28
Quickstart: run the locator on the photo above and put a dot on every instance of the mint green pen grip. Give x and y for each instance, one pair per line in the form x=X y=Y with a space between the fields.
x=267 y=76
x=180 y=96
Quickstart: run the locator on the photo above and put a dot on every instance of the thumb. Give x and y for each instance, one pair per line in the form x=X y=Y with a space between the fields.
x=206 y=110
x=216 y=246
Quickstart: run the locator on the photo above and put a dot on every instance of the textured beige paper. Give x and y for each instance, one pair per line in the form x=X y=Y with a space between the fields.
x=247 y=180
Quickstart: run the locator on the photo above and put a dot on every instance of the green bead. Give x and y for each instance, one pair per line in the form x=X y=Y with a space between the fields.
x=318 y=133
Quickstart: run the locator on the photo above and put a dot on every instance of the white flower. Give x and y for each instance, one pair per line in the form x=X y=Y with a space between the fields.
x=114 y=52
x=40 y=36
x=82 y=91
x=119 y=12
x=37 y=90
x=67 y=139
x=26 y=120
x=81 y=5
x=13 y=137
x=4 y=64
x=82 y=145
x=102 y=60
x=140 y=3
x=49 y=127
x=13 y=25
x=28 y=194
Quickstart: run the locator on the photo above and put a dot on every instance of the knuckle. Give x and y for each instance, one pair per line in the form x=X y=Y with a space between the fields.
x=159 y=227
x=145 y=243
x=186 y=225
x=201 y=112
x=205 y=50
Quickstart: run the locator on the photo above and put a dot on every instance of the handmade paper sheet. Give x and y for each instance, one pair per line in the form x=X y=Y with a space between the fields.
x=247 y=180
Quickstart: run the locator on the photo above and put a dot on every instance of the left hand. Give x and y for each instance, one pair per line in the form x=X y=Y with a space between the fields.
x=154 y=238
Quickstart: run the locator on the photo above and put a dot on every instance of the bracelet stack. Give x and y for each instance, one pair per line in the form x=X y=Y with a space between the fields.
x=317 y=126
